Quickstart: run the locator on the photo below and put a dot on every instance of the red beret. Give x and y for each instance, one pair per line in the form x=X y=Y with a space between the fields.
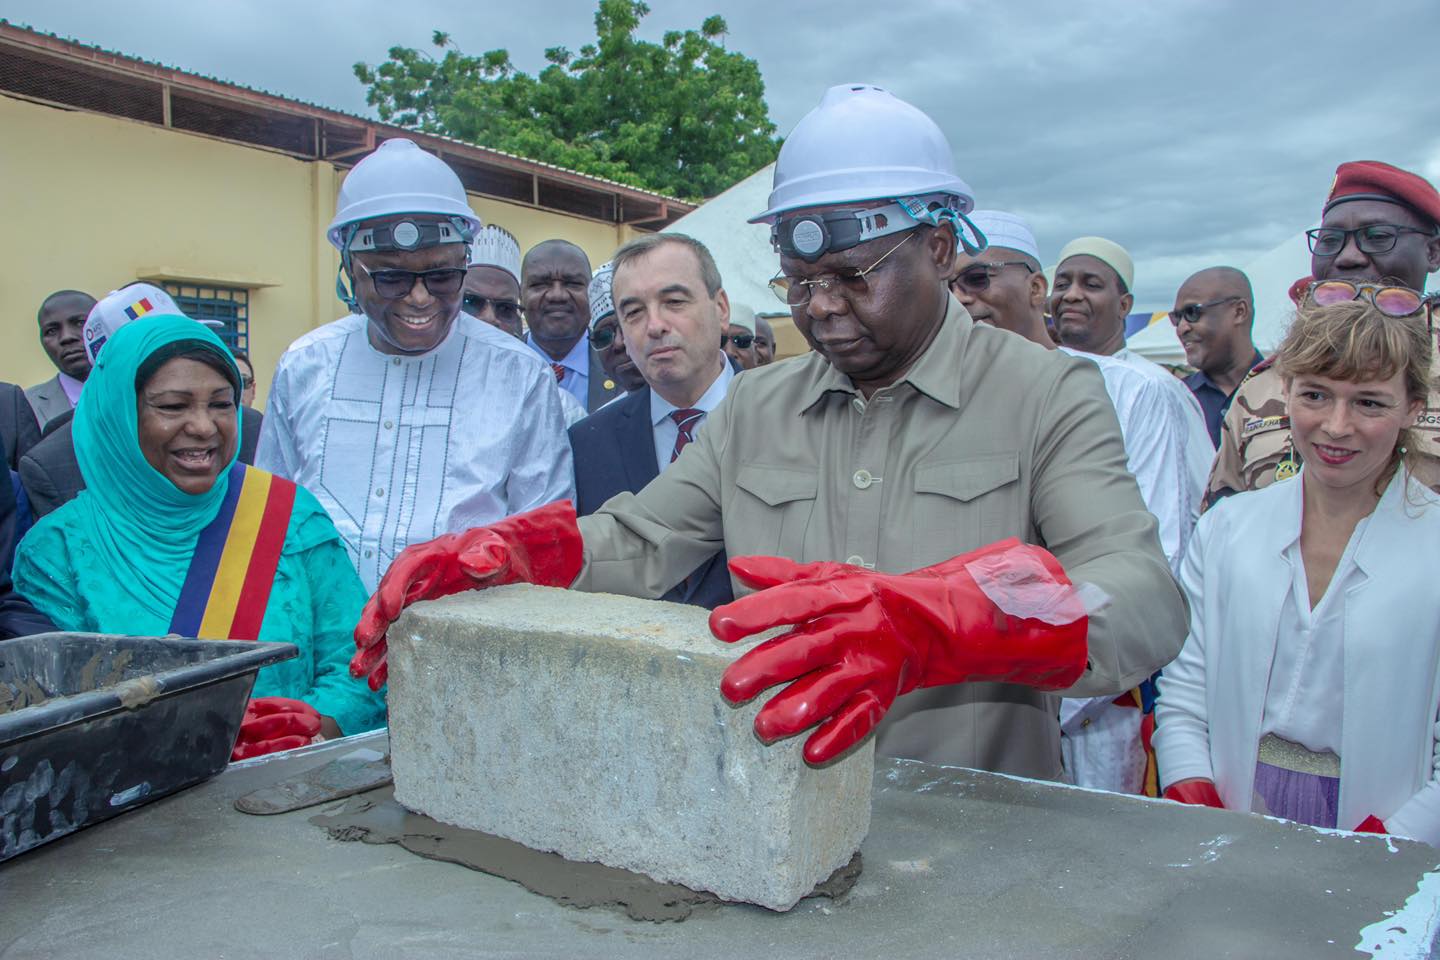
x=1373 y=180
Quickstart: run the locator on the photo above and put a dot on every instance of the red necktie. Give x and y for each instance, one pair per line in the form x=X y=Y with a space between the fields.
x=685 y=420
x=559 y=369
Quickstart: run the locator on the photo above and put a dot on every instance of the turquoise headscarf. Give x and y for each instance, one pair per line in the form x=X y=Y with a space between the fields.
x=141 y=528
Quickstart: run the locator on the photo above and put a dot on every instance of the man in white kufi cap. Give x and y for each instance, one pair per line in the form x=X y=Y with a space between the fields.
x=492 y=281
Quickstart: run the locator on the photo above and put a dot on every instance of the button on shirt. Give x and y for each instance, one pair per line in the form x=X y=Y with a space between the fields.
x=1214 y=402
x=402 y=449
x=576 y=381
x=665 y=427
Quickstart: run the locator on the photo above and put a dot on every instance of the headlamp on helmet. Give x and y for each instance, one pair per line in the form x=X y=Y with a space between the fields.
x=409 y=235
x=809 y=236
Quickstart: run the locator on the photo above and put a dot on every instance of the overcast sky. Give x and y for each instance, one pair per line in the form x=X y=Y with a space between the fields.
x=1193 y=132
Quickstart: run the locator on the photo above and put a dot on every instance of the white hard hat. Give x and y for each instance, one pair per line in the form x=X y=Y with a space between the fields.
x=398 y=178
x=119 y=307
x=863 y=143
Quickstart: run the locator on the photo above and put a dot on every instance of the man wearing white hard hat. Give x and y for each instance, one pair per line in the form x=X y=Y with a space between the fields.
x=1005 y=287
x=49 y=471
x=407 y=418
x=938 y=511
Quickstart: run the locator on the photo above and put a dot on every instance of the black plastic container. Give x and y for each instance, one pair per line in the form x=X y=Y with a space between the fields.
x=93 y=725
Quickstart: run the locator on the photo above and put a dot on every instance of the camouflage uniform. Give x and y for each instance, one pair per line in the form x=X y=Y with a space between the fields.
x=1255 y=447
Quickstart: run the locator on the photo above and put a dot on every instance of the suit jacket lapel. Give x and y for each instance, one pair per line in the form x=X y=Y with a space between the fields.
x=637 y=440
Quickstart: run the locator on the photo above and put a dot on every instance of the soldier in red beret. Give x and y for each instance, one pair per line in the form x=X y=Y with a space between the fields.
x=1380 y=227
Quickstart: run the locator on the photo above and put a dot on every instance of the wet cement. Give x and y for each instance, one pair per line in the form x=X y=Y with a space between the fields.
x=376 y=817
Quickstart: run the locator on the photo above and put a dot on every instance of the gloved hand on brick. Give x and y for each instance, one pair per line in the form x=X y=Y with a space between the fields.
x=861 y=638
x=273 y=724
x=1196 y=791
x=540 y=546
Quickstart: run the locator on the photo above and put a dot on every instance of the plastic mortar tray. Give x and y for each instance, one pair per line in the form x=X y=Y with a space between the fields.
x=93 y=725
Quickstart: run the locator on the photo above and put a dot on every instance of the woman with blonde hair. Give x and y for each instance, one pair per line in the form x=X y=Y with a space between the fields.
x=1309 y=685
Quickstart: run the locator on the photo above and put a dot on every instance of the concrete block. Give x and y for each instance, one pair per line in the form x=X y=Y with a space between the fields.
x=592 y=725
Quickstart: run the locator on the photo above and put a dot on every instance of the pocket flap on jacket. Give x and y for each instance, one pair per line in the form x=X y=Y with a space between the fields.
x=777 y=485
x=969 y=478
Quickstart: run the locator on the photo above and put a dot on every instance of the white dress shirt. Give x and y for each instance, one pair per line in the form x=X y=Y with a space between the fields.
x=1309 y=665
x=71 y=386
x=1166 y=444
x=576 y=381
x=666 y=429
x=402 y=449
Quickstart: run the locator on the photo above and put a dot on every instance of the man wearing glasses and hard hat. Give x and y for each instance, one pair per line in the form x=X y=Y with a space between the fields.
x=938 y=511
x=407 y=418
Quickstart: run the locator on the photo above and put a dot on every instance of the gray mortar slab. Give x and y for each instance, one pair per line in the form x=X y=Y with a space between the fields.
x=592 y=725
x=957 y=864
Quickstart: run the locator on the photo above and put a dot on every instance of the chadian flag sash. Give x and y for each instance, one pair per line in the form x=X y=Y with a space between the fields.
x=228 y=585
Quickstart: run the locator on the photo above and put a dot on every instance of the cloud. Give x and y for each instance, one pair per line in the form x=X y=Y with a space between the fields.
x=1194 y=132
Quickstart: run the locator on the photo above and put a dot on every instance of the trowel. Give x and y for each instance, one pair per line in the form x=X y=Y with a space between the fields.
x=335 y=780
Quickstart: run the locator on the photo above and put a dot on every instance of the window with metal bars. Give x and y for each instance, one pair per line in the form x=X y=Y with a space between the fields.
x=229 y=305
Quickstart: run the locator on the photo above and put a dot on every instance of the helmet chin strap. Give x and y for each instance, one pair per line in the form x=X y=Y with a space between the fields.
x=920 y=211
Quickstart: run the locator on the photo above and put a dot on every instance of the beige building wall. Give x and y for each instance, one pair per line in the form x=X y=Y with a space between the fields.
x=92 y=202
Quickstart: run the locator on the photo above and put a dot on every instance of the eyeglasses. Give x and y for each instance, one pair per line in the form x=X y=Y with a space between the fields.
x=741 y=340
x=602 y=337
x=1376 y=238
x=394 y=284
x=976 y=277
x=795 y=292
x=507 y=311
x=1391 y=301
x=1192 y=312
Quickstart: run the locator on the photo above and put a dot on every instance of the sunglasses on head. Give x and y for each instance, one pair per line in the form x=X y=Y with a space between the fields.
x=1390 y=300
x=976 y=277
x=394 y=284
x=741 y=340
x=1192 y=312
x=506 y=310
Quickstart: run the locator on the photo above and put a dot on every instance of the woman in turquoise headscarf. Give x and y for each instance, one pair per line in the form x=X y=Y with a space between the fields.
x=172 y=535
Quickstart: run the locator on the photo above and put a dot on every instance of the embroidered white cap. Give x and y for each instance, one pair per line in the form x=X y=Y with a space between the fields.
x=496 y=247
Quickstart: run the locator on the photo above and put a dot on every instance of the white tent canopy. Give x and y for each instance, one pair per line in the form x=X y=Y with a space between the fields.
x=741 y=250
x=1271 y=275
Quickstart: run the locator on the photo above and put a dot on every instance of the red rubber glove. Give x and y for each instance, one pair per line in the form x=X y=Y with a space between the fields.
x=1197 y=791
x=862 y=638
x=540 y=546
x=1371 y=824
x=273 y=724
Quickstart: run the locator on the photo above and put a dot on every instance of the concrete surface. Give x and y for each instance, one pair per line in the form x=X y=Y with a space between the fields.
x=957 y=864
x=592 y=725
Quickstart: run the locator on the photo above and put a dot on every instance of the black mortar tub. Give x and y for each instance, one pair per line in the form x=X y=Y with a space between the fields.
x=93 y=725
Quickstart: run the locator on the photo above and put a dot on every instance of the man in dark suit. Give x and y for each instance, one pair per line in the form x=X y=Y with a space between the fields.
x=61 y=318
x=18 y=430
x=50 y=472
x=672 y=310
x=18 y=618
x=554 y=282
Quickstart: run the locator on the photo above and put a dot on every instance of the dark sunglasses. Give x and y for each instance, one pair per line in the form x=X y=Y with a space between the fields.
x=741 y=340
x=1376 y=238
x=976 y=277
x=602 y=337
x=506 y=310
x=1192 y=312
x=394 y=284
x=1389 y=300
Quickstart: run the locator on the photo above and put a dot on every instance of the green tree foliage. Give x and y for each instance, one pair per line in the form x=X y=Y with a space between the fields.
x=684 y=117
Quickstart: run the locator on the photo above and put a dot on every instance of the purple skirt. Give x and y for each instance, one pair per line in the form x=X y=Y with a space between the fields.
x=1304 y=797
